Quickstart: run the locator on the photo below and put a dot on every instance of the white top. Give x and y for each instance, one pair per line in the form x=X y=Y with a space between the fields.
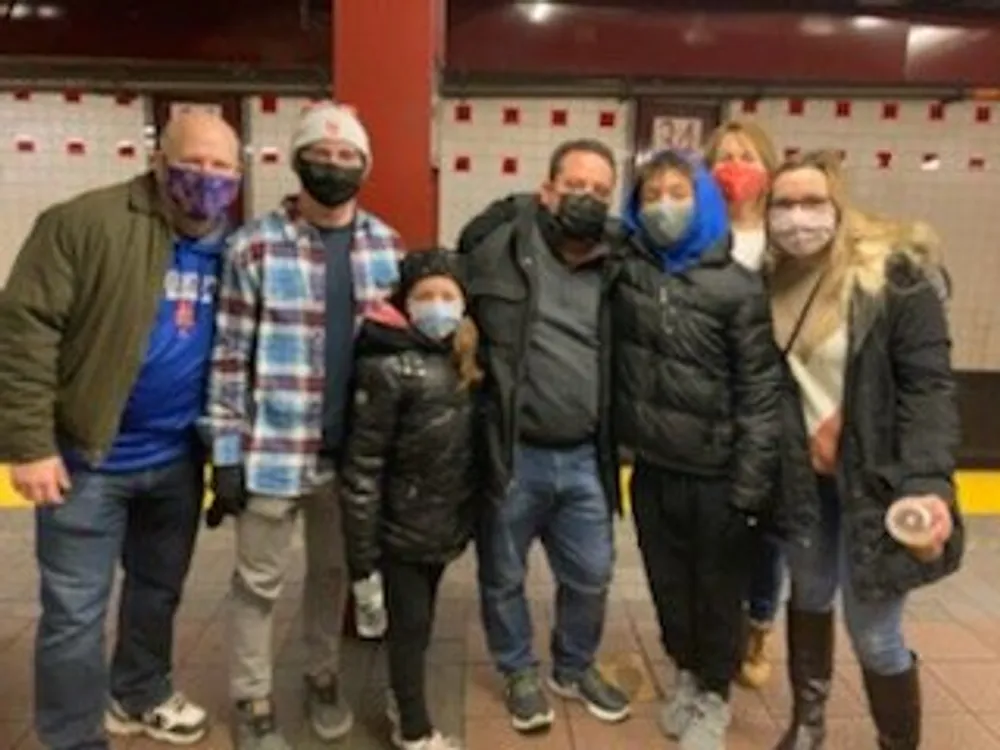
x=748 y=247
x=821 y=383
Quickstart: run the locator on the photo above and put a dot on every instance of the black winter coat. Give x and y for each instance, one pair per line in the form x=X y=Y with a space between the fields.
x=697 y=375
x=899 y=436
x=500 y=268
x=407 y=473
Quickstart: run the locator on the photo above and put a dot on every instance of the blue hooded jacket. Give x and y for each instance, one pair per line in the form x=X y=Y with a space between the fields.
x=709 y=222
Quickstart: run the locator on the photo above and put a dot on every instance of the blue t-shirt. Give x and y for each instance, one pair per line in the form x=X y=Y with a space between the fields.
x=158 y=425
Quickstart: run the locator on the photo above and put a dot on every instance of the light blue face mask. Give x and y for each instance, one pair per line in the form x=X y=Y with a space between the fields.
x=436 y=319
x=666 y=221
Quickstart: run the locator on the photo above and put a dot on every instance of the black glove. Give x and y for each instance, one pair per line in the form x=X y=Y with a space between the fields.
x=230 y=495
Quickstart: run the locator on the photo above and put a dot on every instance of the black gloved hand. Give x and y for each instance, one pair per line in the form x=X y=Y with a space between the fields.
x=230 y=494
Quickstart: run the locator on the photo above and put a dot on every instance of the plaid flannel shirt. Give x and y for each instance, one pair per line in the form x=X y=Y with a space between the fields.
x=265 y=401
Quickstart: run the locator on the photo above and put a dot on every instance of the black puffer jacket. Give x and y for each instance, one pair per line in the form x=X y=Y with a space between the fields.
x=899 y=437
x=697 y=376
x=407 y=471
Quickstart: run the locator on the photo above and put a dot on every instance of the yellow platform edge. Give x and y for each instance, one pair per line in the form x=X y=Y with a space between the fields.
x=978 y=491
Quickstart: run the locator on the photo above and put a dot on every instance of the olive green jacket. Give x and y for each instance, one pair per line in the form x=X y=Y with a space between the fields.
x=75 y=318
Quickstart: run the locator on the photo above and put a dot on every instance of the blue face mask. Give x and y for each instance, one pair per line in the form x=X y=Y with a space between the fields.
x=436 y=319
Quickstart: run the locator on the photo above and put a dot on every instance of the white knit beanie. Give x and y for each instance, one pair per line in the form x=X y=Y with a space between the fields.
x=329 y=120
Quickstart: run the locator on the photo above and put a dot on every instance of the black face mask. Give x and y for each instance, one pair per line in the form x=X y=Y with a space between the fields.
x=581 y=217
x=329 y=184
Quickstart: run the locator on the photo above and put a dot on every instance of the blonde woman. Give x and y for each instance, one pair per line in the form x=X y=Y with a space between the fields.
x=742 y=158
x=870 y=419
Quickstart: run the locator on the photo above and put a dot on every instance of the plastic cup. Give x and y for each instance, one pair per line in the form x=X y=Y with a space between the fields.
x=910 y=523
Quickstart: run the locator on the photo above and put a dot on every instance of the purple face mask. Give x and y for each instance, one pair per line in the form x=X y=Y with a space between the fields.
x=199 y=195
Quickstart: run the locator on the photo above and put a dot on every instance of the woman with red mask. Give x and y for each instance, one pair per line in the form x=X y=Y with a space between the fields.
x=742 y=157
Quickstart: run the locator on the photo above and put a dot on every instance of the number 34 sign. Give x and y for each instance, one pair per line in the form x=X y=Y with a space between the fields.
x=679 y=133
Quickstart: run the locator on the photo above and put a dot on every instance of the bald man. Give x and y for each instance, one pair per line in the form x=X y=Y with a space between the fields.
x=106 y=326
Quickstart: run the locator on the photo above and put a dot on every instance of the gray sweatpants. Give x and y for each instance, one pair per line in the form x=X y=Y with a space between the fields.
x=264 y=534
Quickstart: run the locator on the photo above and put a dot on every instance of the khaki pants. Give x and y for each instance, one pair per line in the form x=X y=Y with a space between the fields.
x=263 y=550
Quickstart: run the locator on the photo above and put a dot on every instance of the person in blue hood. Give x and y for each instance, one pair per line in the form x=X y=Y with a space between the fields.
x=696 y=383
x=678 y=212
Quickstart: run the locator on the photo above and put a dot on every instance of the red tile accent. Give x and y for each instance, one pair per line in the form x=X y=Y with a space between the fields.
x=126 y=151
x=936 y=111
x=509 y=165
x=22 y=95
x=560 y=118
x=844 y=108
x=463 y=113
x=884 y=159
x=75 y=147
x=463 y=164
x=749 y=106
x=791 y=153
x=72 y=97
x=607 y=119
x=796 y=107
x=269 y=104
x=890 y=110
x=977 y=163
x=25 y=145
x=124 y=99
x=270 y=156
x=931 y=156
x=984 y=113
x=511 y=116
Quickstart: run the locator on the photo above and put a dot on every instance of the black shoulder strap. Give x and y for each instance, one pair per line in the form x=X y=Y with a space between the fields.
x=803 y=315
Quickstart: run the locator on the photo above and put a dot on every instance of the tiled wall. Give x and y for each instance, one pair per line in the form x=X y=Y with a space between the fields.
x=53 y=146
x=919 y=159
x=492 y=147
x=909 y=158
x=268 y=123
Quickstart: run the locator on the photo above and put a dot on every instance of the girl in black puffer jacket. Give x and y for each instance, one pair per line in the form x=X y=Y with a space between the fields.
x=407 y=473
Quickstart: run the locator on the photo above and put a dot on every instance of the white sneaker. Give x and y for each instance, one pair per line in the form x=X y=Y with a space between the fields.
x=436 y=741
x=370 y=618
x=176 y=721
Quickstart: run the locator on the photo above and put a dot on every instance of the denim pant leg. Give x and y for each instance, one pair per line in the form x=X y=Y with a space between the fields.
x=163 y=518
x=507 y=530
x=874 y=627
x=579 y=542
x=766 y=579
x=77 y=545
x=815 y=570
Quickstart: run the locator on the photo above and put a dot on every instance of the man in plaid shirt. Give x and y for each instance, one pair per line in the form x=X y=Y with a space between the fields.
x=293 y=289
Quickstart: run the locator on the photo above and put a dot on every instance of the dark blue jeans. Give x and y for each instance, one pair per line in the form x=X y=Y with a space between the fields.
x=555 y=496
x=148 y=520
x=766 y=579
x=821 y=569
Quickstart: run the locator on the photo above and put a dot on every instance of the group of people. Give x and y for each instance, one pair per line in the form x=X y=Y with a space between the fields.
x=773 y=360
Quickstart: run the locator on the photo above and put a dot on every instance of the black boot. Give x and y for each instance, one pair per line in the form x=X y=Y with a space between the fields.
x=810 y=670
x=895 y=707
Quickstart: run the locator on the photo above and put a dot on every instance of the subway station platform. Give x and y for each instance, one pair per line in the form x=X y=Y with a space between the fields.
x=955 y=627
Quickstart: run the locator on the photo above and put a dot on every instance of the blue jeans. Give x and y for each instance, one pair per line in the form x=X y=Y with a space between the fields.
x=557 y=497
x=875 y=628
x=148 y=520
x=766 y=578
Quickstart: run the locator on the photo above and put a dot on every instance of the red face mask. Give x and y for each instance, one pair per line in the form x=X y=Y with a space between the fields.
x=740 y=182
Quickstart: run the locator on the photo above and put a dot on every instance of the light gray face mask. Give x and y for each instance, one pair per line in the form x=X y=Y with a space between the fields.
x=666 y=221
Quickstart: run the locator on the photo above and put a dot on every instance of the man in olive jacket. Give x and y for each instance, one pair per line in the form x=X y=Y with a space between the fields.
x=106 y=325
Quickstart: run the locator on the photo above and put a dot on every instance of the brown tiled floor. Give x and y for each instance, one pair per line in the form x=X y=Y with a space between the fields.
x=955 y=626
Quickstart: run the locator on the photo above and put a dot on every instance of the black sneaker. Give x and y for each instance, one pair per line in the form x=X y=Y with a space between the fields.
x=256 y=728
x=602 y=700
x=529 y=708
